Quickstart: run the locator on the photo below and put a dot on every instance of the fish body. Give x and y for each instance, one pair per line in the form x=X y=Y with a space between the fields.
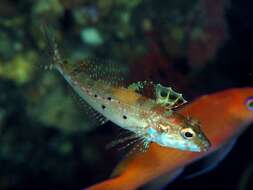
x=151 y=120
x=225 y=115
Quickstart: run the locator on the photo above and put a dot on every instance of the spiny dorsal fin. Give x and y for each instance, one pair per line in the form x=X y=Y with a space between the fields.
x=168 y=97
x=164 y=96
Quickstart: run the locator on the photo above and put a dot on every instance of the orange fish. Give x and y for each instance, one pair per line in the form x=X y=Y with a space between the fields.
x=224 y=116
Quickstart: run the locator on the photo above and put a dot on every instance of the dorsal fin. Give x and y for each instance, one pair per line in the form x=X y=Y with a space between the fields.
x=95 y=68
x=145 y=88
x=164 y=96
x=98 y=69
x=168 y=97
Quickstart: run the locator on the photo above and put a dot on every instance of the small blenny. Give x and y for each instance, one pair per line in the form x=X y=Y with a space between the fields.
x=150 y=120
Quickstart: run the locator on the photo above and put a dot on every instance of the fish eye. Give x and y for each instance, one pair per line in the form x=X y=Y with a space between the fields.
x=187 y=133
x=249 y=103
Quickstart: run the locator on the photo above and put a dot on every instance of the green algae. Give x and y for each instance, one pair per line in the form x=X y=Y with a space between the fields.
x=20 y=68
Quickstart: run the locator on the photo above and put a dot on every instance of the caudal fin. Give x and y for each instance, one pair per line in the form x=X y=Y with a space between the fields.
x=52 y=47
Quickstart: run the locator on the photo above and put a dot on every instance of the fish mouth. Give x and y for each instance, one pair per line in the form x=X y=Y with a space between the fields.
x=206 y=145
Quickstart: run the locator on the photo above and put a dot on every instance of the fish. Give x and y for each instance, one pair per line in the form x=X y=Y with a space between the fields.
x=150 y=120
x=225 y=115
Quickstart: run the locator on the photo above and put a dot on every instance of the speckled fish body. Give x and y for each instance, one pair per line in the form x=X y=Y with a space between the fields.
x=229 y=113
x=149 y=119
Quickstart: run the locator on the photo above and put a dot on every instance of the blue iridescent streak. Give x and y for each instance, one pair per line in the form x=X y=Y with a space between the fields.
x=151 y=131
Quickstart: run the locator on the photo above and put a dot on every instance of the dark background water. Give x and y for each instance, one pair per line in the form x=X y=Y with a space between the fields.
x=197 y=47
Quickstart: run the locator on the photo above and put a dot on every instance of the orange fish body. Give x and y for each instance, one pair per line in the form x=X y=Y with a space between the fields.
x=223 y=115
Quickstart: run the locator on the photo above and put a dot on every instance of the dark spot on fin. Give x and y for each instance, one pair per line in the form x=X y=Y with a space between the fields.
x=103 y=107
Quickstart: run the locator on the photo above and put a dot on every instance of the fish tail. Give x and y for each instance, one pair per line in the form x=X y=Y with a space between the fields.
x=53 y=50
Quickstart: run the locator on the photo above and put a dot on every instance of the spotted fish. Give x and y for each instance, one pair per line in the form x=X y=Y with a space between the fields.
x=150 y=119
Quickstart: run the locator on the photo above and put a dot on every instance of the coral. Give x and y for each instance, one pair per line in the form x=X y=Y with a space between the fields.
x=20 y=68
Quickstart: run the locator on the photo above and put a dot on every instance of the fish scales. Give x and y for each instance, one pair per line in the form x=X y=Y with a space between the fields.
x=117 y=102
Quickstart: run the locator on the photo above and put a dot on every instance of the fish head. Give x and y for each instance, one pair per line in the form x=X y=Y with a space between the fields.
x=183 y=133
x=241 y=105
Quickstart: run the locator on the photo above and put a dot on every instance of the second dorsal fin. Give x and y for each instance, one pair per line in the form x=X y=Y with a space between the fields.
x=93 y=68
x=164 y=96
x=98 y=69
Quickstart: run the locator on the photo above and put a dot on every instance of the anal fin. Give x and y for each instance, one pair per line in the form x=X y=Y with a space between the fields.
x=89 y=111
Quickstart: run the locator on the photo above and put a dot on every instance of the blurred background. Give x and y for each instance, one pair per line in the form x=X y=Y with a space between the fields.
x=194 y=46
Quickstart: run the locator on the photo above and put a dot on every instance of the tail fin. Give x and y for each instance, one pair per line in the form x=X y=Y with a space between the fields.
x=53 y=50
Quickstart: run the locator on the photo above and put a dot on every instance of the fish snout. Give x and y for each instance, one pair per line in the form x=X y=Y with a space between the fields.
x=205 y=145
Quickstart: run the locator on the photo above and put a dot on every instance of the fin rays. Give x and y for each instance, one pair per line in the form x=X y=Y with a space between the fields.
x=96 y=69
x=90 y=112
x=140 y=144
x=164 y=96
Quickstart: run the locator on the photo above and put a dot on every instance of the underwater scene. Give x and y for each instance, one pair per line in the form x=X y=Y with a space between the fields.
x=126 y=94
